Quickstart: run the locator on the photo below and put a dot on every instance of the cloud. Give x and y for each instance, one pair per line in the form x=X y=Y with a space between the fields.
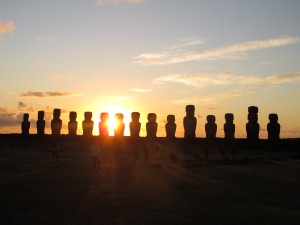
x=10 y=119
x=115 y=2
x=279 y=79
x=46 y=94
x=22 y=105
x=139 y=90
x=234 y=51
x=215 y=98
x=202 y=80
x=7 y=27
x=46 y=38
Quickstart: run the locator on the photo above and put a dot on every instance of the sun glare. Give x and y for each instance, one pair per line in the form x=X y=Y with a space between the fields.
x=112 y=122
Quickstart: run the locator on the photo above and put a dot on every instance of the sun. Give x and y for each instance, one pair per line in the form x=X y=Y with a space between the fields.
x=112 y=122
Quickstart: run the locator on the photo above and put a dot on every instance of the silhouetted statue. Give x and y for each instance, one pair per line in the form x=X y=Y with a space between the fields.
x=229 y=140
x=119 y=129
x=135 y=125
x=252 y=127
x=56 y=122
x=151 y=126
x=190 y=122
x=170 y=127
x=103 y=125
x=211 y=127
x=273 y=127
x=211 y=131
x=41 y=123
x=87 y=124
x=72 y=125
x=25 y=124
x=229 y=127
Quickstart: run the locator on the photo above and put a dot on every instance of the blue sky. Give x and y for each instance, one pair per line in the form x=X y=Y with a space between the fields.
x=151 y=56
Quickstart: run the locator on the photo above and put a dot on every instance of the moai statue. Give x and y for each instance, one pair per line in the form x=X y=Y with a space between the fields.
x=229 y=130
x=56 y=122
x=170 y=127
x=273 y=127
x=25 y=124
x=229 y=127
x=211 y=131
x=211 y=127
x=87 y=124
x=72 y=125
x=151 y=126
x=135 y=125
x=119 y=129
x=41 y=123
x=252 y=127
x=103 y=125
x=190 y=122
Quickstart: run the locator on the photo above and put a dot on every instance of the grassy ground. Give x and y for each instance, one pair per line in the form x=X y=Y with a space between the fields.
x=256 y=188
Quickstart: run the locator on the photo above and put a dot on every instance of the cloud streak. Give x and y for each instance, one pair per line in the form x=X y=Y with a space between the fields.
x=234 y=51
x=215 y=98
x=7 y=27
x=202 y=80
x=116 y=2
x=46 y=94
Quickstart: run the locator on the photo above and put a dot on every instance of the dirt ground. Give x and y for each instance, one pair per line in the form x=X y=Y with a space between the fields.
x=255 y=188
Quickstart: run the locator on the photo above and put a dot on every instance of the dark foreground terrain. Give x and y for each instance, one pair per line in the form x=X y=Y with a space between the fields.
x=258 y=187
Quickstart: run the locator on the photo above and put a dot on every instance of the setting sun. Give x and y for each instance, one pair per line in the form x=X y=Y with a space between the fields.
x=112 y=110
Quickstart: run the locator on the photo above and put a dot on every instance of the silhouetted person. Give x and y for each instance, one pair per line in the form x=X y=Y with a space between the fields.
x=88 y=124
x=229 y=139
x=190 y=122
x=151 y=126
x=55 y=148
x=103 y=125
x=72 y=125
x=119 y=129
x=252 y=127
x=95 y=149
x=211 y=131
x=136 y=150
x=273 y=127
x=170 y=127
x=135 y=125
x=40 y=123
x=25 y=126
x=56 y=122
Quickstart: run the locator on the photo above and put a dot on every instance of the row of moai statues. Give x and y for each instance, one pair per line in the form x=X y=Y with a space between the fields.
x=189 y=123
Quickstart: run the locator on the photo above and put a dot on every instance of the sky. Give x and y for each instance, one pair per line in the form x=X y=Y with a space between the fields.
x=150 y=56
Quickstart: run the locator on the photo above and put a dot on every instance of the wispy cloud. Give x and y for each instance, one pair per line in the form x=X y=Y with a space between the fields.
x=215 y=98
x=115 y=2
x=139 y=90
x=7 y=27
x=22 y=106
x=234 y=51
x=202 y=80
x=46 y=38
x=46 y=94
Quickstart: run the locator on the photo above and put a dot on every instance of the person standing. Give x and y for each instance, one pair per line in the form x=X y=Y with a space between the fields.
x=96 y=155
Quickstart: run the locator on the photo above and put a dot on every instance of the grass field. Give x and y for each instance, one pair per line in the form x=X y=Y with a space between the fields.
x=259 y=187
